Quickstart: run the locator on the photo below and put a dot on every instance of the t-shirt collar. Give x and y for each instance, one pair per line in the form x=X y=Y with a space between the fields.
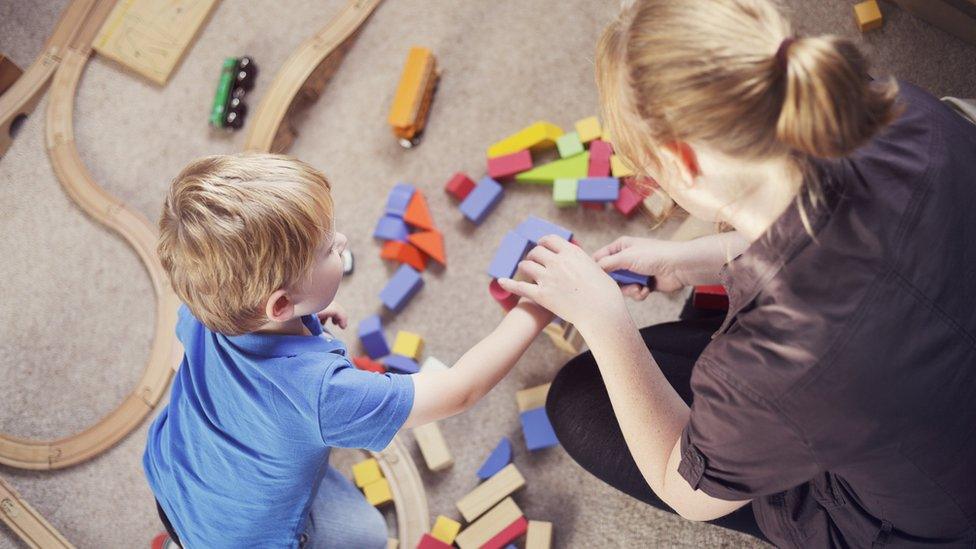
x=283 y=345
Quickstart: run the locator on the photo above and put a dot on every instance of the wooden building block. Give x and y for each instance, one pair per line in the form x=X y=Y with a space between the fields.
x=868 y=15
x=509 y=164
x=569 y=144
x=504 y=518
x=459 y=186
x=619 y=168
x=366 y=472
x=539 y=535
x=482 y=200
x=417 y=213
x=445 y=529
x=574 y=167
x=403 y=252
x=408 y=344
x=508 y=255
x=506 y=299
x=564 y=192
x=392 y=543
x=399 y=198
x=657 y=205
x=628 y=201
x=532 y=398
x=401 y=364
x=490 y=492
x=378 y=492
x=496 y=460
x=534 y=228
x=9 y=73
x=539 y=136
x=433 y=446
x=151 y=36
x=431 y=243
x=371 y=337
x=411 y=103
x=588 y=129
x=537 y=429
x=433 y=365
x=710 y=298
x=404 y=284
x=427 y=541
x=565 y=337
x=368 y=364
x=598 y=189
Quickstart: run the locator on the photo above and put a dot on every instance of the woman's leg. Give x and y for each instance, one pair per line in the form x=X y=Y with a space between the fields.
x=341 y=517
x=582 y=416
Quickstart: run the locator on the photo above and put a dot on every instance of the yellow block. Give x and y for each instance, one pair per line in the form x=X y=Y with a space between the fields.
x=619 y=168
x=366 y=472
x=445 y=529
x=868 y=15
x=538 y=136
x=408 y=344
x=378 y=492
x=589 y=129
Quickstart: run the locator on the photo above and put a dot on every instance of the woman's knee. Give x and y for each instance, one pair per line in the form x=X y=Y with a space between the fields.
x=576 y=396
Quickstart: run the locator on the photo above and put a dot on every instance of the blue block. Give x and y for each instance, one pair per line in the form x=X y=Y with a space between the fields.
x=372 y=338
x=598 y=189
x=497 y=460
x=401 y=364
x=391 y=227
x=624 y=277
x=512 y=249
x=399 y=198
x=537 y=429
x=535 y=228
x=479 y=203
x=406 y=282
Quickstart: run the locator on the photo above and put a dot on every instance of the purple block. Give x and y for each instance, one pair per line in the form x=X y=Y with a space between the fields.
x=485 y=196
x=598 y=189
x=399 y=198
x=406 y=282
x=624 y=277
x=537 y=429
x=372 y=338
x=401 y=364
x=535 y=228
x=391 y=227
x=512 y=249
x=497 y=460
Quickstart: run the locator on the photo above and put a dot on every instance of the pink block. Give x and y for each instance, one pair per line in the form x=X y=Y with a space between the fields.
x=460 y=186
x=628 y=201
x=510 y=164
x=641 y=185
x=507 y=300
x=510 y=532
x=599 y=167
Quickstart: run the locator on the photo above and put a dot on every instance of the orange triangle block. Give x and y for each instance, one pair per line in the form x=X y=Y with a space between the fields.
x=418 y=214
x=395 y=250
x=431 y=243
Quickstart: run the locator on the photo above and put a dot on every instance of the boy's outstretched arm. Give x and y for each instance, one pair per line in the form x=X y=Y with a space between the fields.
x=440 y=394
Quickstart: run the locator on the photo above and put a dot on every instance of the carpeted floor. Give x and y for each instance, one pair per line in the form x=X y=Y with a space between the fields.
x=77 y=314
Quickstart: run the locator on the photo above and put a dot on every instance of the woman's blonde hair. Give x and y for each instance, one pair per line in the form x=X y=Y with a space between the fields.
x=712 y=71
x=236 y=228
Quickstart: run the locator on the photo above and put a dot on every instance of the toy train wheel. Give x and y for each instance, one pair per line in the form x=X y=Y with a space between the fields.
x=235 y=115
x=246 y=73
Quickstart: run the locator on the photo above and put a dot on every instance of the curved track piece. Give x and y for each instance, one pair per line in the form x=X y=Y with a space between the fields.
x=301 y=79
x=409 y=496
x=27 y=523
x=21 y=98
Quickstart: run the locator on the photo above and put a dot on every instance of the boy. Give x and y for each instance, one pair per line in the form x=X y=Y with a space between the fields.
x=239 y=457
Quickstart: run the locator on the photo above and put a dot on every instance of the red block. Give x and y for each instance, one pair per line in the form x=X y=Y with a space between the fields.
x=460 y=186
x=506 y=536
x=506 y=299
x=593 y=205
x=430 y=542
x=710 y=297
x=600 y=153
x=628 y=201
x=510 y=164
x=368 y=364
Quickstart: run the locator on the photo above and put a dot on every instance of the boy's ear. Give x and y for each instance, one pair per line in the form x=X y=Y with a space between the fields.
x=279 y=307
x=686 y=157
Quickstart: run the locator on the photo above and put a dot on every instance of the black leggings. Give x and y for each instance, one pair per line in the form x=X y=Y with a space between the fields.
x=579 y=408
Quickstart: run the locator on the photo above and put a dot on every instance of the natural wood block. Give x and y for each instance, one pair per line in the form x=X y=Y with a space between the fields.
x=490 y=492
x=479 y=533
x=433 y=446
x=9 y=73
x=539 y=535
x=533 y=397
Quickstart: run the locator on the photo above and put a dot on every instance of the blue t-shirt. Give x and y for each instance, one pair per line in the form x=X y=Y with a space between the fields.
x=236 y=456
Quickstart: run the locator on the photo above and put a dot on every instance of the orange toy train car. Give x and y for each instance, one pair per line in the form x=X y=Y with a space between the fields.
x=414 y=93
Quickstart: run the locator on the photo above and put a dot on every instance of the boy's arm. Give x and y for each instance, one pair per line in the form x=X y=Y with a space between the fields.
x=440 y=394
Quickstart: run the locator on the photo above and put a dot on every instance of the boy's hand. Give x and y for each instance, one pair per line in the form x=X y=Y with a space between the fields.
x=336 y=313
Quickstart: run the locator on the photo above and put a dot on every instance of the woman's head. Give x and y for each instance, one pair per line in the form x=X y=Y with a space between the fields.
x=683 y=79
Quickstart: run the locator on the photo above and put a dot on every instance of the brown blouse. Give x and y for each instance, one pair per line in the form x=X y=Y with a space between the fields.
x=840 y=394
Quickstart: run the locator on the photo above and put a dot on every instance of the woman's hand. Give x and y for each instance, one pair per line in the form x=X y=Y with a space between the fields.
x=658 y=258
x=336 y=313
x=565 y=280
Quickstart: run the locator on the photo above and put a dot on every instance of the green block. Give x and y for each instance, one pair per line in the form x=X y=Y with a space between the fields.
x=574 y=167
x=569 y=144
x=564 y=192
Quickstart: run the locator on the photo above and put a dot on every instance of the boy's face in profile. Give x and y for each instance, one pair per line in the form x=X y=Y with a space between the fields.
x=319 y=289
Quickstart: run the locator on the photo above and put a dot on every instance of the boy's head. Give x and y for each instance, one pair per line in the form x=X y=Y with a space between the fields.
x=250 y=239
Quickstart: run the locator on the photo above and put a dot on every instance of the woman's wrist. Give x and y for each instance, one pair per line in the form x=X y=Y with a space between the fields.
x=606 y=319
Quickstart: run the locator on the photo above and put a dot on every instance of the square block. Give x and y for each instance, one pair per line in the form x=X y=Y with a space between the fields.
x=537 y=429
x=535 y=228
x=868 y=15
x=588 y=129
x=569 y=144
x=618 y=168
x=401 y=364
x=598 y=189
x=371 y=337
x=408 y=344
x=406 y=282
x=482 y=200
x=509 y=164
x=628 y=201
x=445 y=529
x=512 y=249
x=399 y=198
x=564 y=192
x=390 y=227
x=378 y=492
x=459 y=186
x=366 y=472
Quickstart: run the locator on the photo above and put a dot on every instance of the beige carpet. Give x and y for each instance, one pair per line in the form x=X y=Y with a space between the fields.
x=77 y=312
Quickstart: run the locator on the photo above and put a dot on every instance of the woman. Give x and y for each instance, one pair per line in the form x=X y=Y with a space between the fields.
x=835 y=406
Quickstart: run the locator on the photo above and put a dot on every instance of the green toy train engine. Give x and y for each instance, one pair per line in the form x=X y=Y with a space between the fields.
x=237 y=76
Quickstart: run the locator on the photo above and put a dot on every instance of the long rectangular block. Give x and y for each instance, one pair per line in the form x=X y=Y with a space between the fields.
x=483 y=531
x=401 y=364
x=509 y=164
x=538 y=136
x=535 y=228
x=428 y=541
x=532 y=398
x=537 y=429
x=512 y=249
x=405 y=284
x=371 y=337
x=433 y=447
x=625 y=277
x=390 y=227
x=490 y=492
x=539 y=535
x=598 y=189
x=482 y=200
x=564 y=192
x=399 y=198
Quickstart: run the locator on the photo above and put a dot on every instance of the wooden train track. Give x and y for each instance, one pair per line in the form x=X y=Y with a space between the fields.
x=302 y=78
x=27 y=523
x=409 y=496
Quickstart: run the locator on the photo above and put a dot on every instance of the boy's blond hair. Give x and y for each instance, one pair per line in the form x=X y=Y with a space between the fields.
x=236 y=228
